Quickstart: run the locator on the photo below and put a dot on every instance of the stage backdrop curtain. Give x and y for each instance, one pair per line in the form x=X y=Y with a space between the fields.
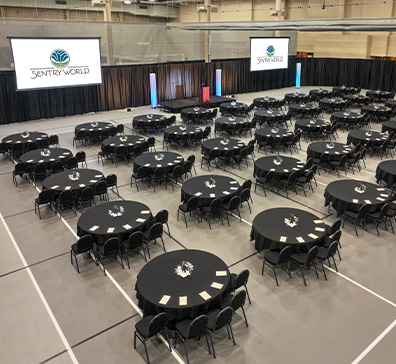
x=129 y=86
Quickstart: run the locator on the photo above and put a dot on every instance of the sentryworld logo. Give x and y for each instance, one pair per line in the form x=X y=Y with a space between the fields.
x=60 y=61
x=60 y=58
x=271 y=57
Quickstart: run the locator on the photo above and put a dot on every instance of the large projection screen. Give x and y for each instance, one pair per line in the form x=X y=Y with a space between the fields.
x=268 y=53
x=56 y=62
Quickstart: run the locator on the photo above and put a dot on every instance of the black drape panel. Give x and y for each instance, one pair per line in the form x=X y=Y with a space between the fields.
x=126 y=86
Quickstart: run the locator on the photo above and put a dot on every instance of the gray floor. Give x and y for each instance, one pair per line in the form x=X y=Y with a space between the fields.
x=49 y=313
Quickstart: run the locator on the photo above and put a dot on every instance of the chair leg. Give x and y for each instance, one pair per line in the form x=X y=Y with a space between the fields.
x=244 y=315
x=247 y=292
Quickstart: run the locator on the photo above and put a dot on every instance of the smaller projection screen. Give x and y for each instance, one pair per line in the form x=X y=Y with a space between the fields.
x=56 y=62
x=268 y=53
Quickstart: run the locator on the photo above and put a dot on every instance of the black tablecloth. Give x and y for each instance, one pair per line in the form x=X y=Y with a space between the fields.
x=342 y=196
x=216 y=144
x=33 y=137
x=231 y=108
x=269 y=230
x=360 y=136
x=346 y=89
x=149 y=122
x=148 y=160
x=315 y=150
x=263 y=133
x=287 y=166
x=267 y=102
x=127 y=141
x=304 y=108
x=377 y=110
x=332 y=103
x=180 y=130
x=268 y=116
x=225 y=188
x=389 y=126
x=96 y=221
x=319 y=92
x=391 y=104
x=311 y=125
x=357 y=99
x=346 y=117
x=93 y=126
x=378 y=94
x=158 y=278
x=293 y=97
x=386 y=171
x=35 y=156
x=230 y=121
x=194 y=112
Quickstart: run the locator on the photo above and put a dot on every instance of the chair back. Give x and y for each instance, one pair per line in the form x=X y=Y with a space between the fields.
x=111 y=246
x=54 y=139
x=284 y=255
x=179 y=170
x=43 y=143
x=85 y=243
x=229 y=153
x=197 y=326
x=234 y=202
x=335 y=227
x=20 y=168
x=159 y=172
x=311 y=256
x=45 y=196
x=106 y=149
x=80 y=156
x=192 y=203
x=111 y=180
x=113 y=131
x=79 y=134
x=87 y=193
x=120 y=128
x=120 y=151
x=105 y=134
x=156 y=231
x=245 y=195
x=308 y=164
x=323 y=158
x=71 y=163
x=362 y=212
x=243 y=153
x=145 y=146
x=100 y=187
x=191 y=158
x=223 y=318
x=384 y=210
x=357 y=148
x=135 y=240
x=66 y=196
x=332 y=249
x=137 y=150
x=162 y=216
x=187 y=165
x=213 y=154
x=142 y=172
x=241 y=279
x=269 y=176
x=247 y=184
x=57 y=167
x=215 y=205
x=40 y=168
x=238 y=300
x=292 y=177
x=336 y=236
x=31 y=146
x=157 y=324
x=151 y=141
x=343 y=160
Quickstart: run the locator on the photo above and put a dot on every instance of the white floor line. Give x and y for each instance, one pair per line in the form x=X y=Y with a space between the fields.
x=374 y=343
x=40 y=293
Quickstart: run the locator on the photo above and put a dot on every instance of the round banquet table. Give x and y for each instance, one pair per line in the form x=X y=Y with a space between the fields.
x=270 y=231
x=96 y=221
x=386 y=171
x=33 y=137
x=148 y=160
x=304 y=108
x=93 y=126
x=356 y=99
x=54 y=154
x=181 y=130
x=160 y=289
x=310 y=125
x=288 y=165
x=225 y=189
x=127 y=141
x=268 y=102
x=391 y=104
x=360 y=136
x=346 y=89
x=319 y=93
x=379 y=94
x=316 y=149
x=262 y=134
x=295 y=97
x=346 y=118
x=149 y=122
x=231 y=122
x=194 y=113
x=60 y=181
x=378 y=111
x=389 y=126
x=268 y=116
x=237 y=108
x=333 y=103
x=342 y=196
x=218 y=144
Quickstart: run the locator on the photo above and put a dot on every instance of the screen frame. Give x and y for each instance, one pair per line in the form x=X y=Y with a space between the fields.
x=274 y=69
x=56 y=87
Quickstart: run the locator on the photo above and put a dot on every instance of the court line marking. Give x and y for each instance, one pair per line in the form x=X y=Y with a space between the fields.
x=40 y=293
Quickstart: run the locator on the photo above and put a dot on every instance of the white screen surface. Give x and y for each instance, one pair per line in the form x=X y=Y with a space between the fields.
x=50 y=63
x=268 y=53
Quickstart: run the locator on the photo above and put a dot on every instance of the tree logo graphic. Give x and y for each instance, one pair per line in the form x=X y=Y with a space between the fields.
x=270 y=51
x=60 y=58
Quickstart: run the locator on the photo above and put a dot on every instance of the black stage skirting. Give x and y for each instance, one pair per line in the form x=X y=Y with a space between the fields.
x=175 y=106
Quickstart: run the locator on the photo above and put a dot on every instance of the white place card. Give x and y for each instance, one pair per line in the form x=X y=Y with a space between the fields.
x=183 y=301
x=233 y=182
x=180 y=157
x=61 y=156
x=205 y=295
x=318 y=222
x=355 y=200
x=217 y=285
x=147 y=165
x=140 y=220
x=93 y=228
x=225 y=148
x=320 y=229
x=300 y=239
x=67 y=187
x=81 y=185
x=380 y=189
x=53 y=187
x=138 y=142
x=30 y=161
x=159 y=165
x=93 y=181
x=235 y=147
x=127 y=226
x=212 y=195
x=313 y=236
x=176 y=161
x=141 y=138
x=145 y=212
x=132 y=144
x=384 y=195
x=327 y=152
x=226 y=192
x=170 y=164
x=380 y=199
x=337 y=152
x=198 y=194
x=52 y=159
x=110 y=230
x=233 y=188
x=221 y=273
x=285 y=170
x=283 y=239
x=66 y=153
x=368 y=202
x=296 y=169
x=215 y=148
x=98 y=176
x=164 y=300
x=272 y=170
x=41 y=161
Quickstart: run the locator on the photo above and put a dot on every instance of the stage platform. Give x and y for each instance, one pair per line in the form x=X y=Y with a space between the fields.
x=175 y=106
